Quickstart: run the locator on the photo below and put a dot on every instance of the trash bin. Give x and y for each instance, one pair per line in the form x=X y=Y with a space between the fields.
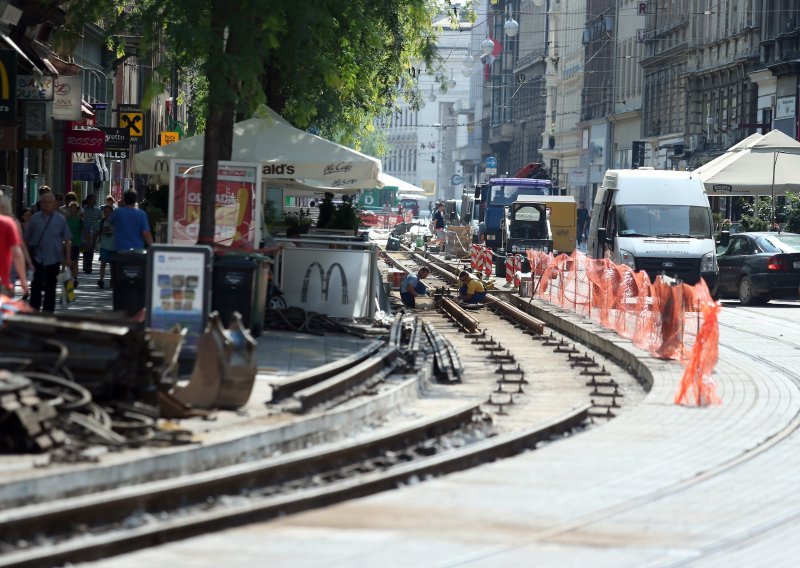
x=239 y=284
x=129 y=281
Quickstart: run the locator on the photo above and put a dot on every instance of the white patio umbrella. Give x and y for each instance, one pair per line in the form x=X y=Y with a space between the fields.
x=710 y=168
x=768 y=166
x=284 y=151
x=402 y=186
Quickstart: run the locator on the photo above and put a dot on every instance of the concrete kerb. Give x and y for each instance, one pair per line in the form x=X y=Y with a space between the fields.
x=170 y=462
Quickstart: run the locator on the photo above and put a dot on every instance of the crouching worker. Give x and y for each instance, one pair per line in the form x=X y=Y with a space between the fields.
x=472 y=290
x=412 y=286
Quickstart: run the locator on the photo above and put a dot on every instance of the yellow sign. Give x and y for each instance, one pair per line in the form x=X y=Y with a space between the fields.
x=169 y=137
x=133 y=121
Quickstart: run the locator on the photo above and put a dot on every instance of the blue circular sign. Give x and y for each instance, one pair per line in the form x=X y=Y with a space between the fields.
x=491 y=162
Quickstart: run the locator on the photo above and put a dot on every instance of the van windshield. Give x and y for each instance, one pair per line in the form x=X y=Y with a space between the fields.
x=664 y=221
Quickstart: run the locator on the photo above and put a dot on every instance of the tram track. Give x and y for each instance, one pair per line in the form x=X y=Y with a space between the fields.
x=508 y=372
x=110 y=523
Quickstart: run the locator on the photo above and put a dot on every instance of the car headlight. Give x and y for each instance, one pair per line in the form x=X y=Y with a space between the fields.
x=627 y=258
x=709 y=263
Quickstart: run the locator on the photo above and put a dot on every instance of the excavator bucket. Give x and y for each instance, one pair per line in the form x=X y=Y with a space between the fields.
x=225 y=369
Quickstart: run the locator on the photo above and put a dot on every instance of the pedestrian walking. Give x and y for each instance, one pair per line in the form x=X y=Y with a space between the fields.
x=131 y=228
x=11 y=251
x=104 y=239
x=42 y=190
x=583 y=222
x=411 y=286
x=5 y=210
x=471 y=290
x=76 y=225
x=438 y=225
x=50 y=244
x=92 y=215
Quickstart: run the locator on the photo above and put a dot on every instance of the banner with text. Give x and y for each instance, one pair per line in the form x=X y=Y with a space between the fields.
x=238 y=199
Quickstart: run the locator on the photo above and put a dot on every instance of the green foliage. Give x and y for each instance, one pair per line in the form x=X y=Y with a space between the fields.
x=333 y=66
x=750 y=223
x=301 y=220
x=347 y=215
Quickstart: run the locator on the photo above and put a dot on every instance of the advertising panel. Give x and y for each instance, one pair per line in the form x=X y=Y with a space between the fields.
x=179 y=290
x=237 y=218
x=334 y=282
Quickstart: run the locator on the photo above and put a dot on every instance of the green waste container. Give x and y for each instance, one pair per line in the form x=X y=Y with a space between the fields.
x=129 y=281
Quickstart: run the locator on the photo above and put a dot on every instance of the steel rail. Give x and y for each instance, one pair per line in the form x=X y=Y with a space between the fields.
x=458 y=314
x=366 y=373
x=285 y=389
x=94 y=547
x=515 y=314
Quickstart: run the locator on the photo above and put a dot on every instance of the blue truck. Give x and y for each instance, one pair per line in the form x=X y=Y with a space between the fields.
x=492 y=199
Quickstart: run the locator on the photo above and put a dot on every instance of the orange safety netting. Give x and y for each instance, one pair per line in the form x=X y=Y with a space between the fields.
x=669 y=319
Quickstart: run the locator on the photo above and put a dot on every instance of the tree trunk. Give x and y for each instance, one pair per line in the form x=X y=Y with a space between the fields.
x=222 y=93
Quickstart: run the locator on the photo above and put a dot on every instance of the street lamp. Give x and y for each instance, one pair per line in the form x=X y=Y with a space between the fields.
x=487 y=46
x=511 y=27
x=432 y=96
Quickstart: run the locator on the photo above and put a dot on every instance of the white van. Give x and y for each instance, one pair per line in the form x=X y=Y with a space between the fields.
x=658 y=221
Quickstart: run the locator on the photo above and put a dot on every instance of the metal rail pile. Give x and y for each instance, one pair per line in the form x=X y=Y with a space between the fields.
x=93 y=381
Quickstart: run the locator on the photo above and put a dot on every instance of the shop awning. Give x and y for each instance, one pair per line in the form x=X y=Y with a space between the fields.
x=36 y=71
x=94 y=171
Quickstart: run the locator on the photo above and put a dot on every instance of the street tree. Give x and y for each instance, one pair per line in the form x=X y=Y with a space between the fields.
x=331 y=65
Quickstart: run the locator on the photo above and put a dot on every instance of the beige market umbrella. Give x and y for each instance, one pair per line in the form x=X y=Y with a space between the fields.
x=285 y=152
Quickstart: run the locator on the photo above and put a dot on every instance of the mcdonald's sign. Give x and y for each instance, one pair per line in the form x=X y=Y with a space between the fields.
x=8 y=82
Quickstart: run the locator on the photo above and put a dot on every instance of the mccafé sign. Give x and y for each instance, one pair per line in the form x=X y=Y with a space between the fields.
x=91 y=141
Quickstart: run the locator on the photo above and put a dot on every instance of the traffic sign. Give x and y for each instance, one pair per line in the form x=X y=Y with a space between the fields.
x=490 y=165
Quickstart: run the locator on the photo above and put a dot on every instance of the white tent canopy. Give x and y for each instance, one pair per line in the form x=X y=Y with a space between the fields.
x=284 y=152
x=768 y=165
x=402 y=186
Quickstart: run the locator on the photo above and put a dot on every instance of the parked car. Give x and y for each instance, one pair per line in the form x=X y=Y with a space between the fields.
x=757 y=267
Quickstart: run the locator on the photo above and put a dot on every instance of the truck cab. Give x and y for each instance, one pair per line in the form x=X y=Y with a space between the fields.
x=525 y=226
x=497 y=195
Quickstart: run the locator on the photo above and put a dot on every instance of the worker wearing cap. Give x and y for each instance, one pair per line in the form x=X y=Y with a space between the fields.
x=412 y=286
x=471 y=290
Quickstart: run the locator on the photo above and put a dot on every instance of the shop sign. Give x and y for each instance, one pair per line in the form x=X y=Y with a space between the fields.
x=91 y=141
x=8 y=78
x=29 y=88
x=67 y=98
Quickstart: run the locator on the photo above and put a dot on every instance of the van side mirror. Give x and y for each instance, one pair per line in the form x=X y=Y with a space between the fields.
x=724 y=238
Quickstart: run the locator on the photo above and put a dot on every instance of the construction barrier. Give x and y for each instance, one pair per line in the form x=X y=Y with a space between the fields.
x=476 y=257
x=513 y=268
x=487 y=261
x=667 y=318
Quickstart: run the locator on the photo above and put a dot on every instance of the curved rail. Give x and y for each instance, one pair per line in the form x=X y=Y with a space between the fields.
x=105 y=510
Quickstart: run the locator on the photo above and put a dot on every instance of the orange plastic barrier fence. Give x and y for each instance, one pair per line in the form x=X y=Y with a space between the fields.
x=670 y=320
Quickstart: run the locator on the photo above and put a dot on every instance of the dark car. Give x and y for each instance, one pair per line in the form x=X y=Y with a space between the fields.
x=757 y=267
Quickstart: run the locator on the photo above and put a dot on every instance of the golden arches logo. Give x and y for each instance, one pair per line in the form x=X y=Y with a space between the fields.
x=5 y=88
